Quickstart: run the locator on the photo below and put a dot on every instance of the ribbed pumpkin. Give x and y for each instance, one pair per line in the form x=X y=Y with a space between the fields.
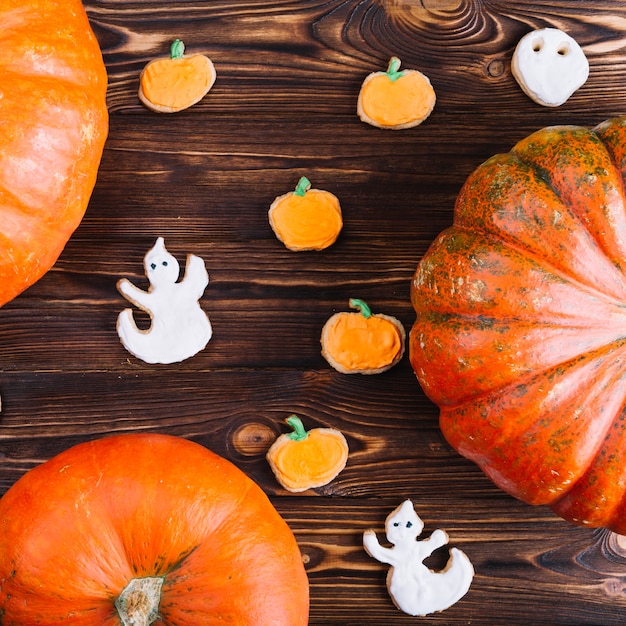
x=53 y=125
x=140 y=529
x=520 y=335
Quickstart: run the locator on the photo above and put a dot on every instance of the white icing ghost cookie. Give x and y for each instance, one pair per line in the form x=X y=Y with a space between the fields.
x=549 y=66
x=413 y=587
x=179 y=328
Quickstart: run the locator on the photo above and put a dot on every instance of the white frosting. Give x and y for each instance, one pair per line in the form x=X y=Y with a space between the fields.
x=179 y=327
x=549 y=66
x=413 y=587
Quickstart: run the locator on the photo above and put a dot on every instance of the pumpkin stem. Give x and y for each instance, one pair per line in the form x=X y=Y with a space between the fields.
x=138 y=603
x=304 y=184
x=299 y=433
x=365 y=311
x=177 y=49
x=393 y=69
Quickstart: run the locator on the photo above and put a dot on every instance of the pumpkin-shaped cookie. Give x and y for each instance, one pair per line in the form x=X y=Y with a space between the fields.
x=176 y=82
x=304 y=459
x=361 y=342
x=520 y=317
x=395 y=99
x=306 y=219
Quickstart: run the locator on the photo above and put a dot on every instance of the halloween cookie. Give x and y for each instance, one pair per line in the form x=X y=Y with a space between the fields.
x=304 y=459
x=306 y=219
x=549 y=66
x=179 y=328
x=414 y=588
x=176 y=82
x=361 y=342
x=395 y=99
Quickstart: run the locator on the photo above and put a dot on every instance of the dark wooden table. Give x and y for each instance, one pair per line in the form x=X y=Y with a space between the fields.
x=283 y=106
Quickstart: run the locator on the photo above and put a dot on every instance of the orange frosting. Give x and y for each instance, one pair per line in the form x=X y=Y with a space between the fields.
x=308 y=221
x=177 y=82
x=307 y=459
x=394 y=100
x=359 y=343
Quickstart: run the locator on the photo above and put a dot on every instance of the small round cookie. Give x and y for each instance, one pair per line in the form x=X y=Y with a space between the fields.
x=305 y=459
x=362 y=343
x=549 y=66
x=306 y=219
x=395 y=99
x=174 y=83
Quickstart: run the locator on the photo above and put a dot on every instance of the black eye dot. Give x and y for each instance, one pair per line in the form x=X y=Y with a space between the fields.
x=396 y=523
x=409 y=524
x=153 y=266
x=164 y=263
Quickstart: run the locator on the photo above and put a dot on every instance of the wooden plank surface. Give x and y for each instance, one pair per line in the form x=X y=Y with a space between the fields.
x=283 y=106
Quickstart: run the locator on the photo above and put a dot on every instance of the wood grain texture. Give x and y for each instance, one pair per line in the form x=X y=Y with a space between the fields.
x=283 y=106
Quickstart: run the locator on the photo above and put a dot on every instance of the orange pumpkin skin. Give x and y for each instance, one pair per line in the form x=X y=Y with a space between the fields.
x=54 y=124
x=520 y=316
x=76 y=529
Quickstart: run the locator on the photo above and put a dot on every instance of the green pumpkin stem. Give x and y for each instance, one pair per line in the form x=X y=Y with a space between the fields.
x=393 y=69
x=365 y=311
x=299 y=433
x=304 y=184
x=177 y=49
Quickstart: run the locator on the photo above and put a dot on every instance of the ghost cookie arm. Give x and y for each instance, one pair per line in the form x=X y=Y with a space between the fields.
x=135 y=295
x=375 y=550
x=437 y=539
x=196 y=276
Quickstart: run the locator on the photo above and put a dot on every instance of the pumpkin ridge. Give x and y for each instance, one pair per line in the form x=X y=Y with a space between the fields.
x=522 y=207
x=486 y=271
x=560 y=272
x=575 y=162
x=518 y=475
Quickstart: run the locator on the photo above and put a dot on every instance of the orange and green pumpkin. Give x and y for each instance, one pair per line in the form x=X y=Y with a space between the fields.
x=520 y=331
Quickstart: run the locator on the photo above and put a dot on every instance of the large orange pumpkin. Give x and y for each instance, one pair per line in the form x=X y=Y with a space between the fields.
x=53 y=125
x=520 y=335
x=146 y=529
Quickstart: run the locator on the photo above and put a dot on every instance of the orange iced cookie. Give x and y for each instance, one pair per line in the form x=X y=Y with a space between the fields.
x=395 y=99
x=306 y=219
x=304 y=459
x=176 y=82
x=362 y=343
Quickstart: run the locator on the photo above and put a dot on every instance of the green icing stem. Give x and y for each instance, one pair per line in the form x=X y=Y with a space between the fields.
x=393 y=70
x=304 y=184
x=365 y=311
x=177 y=49
x=299 y=433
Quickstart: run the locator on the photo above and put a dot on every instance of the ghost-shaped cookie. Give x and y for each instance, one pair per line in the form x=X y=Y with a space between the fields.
x=413 y=587
x=549 y=66
x=179 y=327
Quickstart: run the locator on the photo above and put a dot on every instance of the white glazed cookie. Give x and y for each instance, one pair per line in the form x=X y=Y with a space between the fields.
x=179 y=328
x=549 y=66
x=414 y=588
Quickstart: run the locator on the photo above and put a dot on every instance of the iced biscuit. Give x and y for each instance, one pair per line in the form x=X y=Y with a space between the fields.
x=549 y=66
x=414 y=588
x=395 y=99
x=179 y=327
x=176 y=82
x=361 y=342
x=306 y=219
x=305 y=459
